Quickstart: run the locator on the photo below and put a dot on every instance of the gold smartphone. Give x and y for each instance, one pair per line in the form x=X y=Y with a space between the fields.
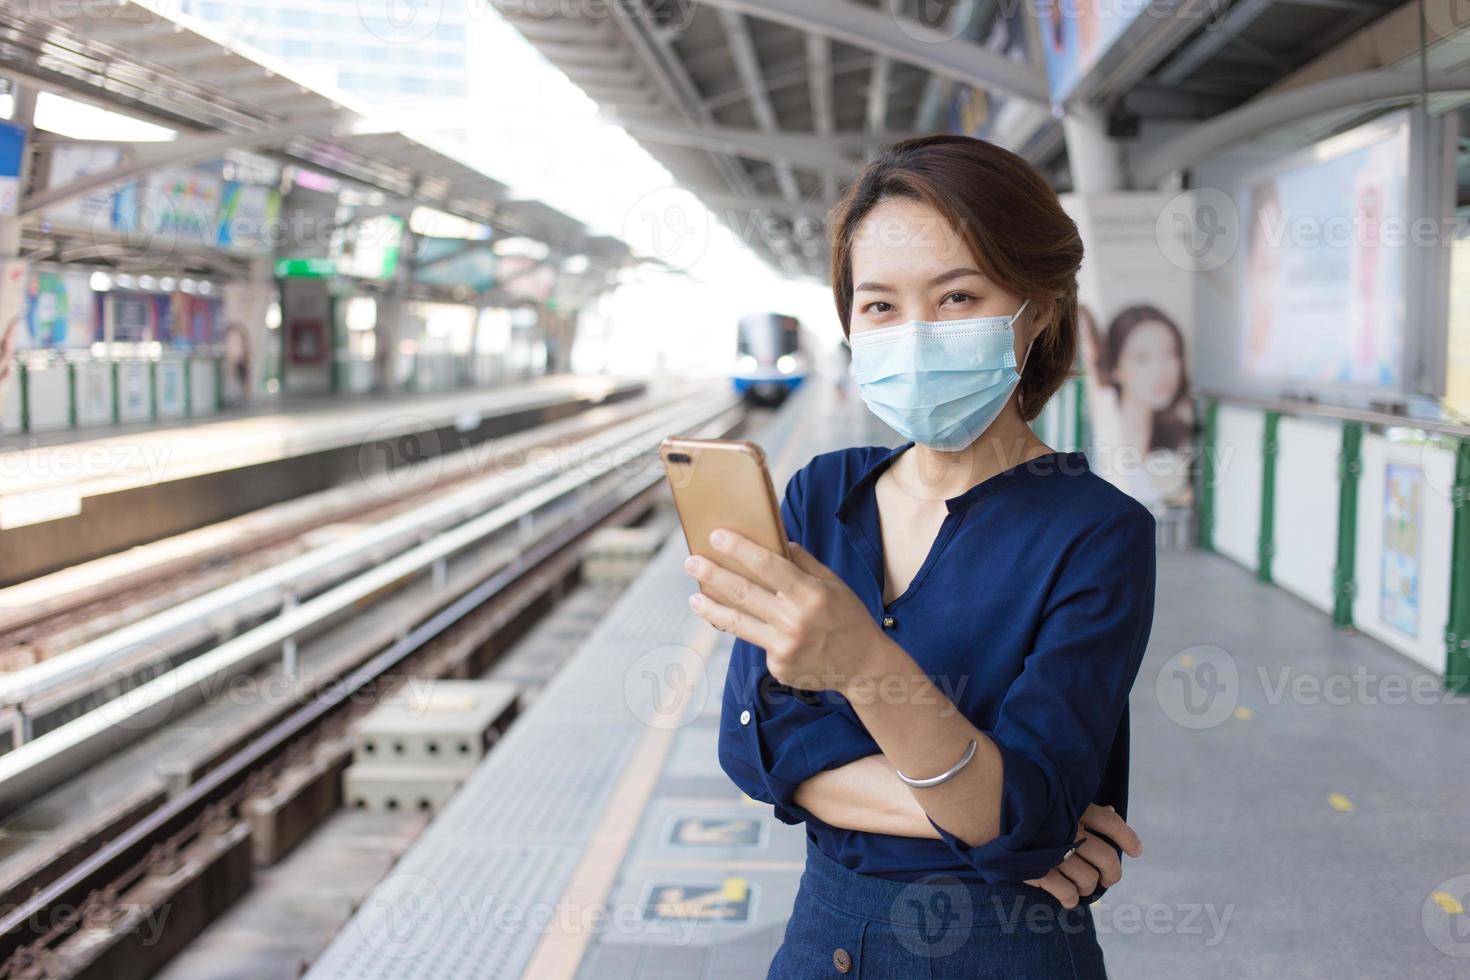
x=722 y=483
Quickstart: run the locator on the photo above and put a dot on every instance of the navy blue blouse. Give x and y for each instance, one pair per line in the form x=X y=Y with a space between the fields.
x=1031 y=612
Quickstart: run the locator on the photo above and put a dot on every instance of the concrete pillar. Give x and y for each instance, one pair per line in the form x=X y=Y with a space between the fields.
x=245 y=304
x=389 y=329
x=1096 y=158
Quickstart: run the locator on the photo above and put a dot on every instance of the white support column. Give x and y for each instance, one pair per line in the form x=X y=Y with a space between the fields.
x=245 y=304
x=389 y=328
x=1096 y=159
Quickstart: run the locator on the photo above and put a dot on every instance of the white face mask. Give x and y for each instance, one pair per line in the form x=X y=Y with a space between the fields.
x=940 y=383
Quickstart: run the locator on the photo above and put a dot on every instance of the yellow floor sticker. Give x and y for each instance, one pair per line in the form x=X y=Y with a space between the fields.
x=1447 y=903
x=728 y=901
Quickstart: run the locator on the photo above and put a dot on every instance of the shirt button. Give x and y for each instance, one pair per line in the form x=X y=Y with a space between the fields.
x=745 y=717
x=887 y=622
x=842 y=960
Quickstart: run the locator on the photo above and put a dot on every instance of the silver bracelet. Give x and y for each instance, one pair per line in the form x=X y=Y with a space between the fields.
x=942 y=777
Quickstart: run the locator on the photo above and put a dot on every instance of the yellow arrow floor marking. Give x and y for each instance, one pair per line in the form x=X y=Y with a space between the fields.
x=1447 y=903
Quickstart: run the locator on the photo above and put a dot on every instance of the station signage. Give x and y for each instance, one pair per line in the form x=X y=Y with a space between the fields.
x=306 y=267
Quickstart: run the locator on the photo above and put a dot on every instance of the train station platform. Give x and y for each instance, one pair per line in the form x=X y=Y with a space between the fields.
x=1274 y=758
x=67 y=497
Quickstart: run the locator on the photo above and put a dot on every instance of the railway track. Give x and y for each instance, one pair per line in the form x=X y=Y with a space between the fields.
x=38 y=626
x=93 y=909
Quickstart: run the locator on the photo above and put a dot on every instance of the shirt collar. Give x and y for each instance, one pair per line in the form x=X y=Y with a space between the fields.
x=1065 y=463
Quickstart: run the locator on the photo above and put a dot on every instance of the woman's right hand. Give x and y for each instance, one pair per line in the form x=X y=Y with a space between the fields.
x=1094 y=862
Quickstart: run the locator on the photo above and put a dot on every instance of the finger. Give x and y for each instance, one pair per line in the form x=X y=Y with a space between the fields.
x=743 y=625
x=765 y=567
x=1058 y=886
x=1100 y=854
x=1082 y=875
x=1106 y=821
x=734 y=590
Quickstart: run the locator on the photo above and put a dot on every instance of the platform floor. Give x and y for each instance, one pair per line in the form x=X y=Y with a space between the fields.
x=108 y=459
x=1287 y=833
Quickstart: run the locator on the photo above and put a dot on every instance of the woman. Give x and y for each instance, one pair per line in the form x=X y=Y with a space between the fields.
x=936 y=683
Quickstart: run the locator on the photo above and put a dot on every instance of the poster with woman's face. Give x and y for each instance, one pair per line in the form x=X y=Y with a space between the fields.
x=1139 y=401
x=1135 y=331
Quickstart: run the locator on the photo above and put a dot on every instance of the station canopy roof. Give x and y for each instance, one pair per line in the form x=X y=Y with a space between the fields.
x=176 y=71
x=766 y=107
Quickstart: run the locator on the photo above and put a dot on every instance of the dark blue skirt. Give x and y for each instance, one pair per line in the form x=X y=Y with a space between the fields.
x=856 y=925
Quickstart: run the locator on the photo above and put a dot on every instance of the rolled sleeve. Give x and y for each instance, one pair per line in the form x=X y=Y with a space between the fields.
x=1059 y=719
x=773 y=737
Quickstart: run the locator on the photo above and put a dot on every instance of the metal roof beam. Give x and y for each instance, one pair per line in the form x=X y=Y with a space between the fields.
x=178 y=152
x=752 y=78
x=909 y=41
x=963 y=21
x=819 y=84
x=1364 y=89
x=1212 y=40
x=808 y=151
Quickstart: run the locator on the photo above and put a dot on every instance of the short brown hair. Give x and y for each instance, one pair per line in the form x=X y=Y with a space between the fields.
x=1004 y=210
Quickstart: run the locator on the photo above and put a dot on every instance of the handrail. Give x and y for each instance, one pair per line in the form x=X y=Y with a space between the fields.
x=1292 y=406
x=377 y=543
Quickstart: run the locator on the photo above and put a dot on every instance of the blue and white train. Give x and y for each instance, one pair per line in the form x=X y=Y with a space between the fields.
x=769 y=359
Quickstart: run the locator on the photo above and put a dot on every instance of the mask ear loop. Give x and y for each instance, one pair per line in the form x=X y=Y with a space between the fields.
x=1014 y=317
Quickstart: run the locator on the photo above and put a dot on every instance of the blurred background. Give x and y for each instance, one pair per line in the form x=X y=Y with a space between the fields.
x=342 y=630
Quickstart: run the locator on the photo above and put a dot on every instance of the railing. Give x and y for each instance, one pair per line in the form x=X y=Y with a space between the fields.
x=1361 y=513
x=50 y=391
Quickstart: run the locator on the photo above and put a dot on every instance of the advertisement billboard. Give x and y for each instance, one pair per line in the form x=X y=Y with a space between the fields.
x=1075 y=34
x=1324 y=257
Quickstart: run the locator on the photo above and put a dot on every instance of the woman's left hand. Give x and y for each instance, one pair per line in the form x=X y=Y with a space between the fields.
x=816 y=632
x=1095 y=862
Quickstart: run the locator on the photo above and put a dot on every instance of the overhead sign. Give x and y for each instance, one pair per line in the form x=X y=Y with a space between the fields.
x=1075 y=34
x=12 y=154
x=307 y=267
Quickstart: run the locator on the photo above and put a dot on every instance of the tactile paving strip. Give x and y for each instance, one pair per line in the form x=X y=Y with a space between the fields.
x=513 y=834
